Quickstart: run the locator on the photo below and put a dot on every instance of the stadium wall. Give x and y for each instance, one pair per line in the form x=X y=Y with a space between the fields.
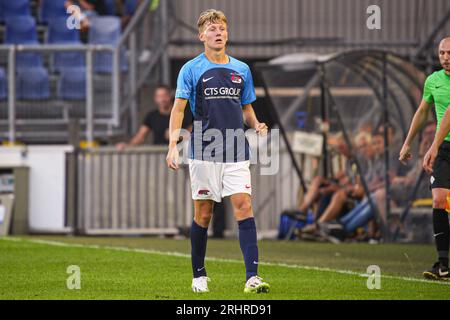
x=310 y=26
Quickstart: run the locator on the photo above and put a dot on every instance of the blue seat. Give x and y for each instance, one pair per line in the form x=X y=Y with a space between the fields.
x=50 y=9
x=13 y=8
x=3 y=85
x=106 y=30
x=110 y=7
x=33 y=84
x=22 y=30
x=59 y=34
x=72 y=84
x=130 y=7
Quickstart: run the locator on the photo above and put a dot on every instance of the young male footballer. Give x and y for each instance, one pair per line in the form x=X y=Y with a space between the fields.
x=220 y=91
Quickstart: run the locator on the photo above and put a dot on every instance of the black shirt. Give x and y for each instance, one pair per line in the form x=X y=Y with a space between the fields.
x=158 y=123
x=99 y=6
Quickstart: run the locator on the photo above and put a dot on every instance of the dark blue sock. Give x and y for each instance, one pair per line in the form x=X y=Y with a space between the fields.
x=249 y=246
x=199 y=237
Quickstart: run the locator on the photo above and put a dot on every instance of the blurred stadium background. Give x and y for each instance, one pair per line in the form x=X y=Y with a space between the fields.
x=67 y=96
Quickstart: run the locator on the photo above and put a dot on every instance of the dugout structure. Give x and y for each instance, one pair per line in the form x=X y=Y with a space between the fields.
x=354 y=96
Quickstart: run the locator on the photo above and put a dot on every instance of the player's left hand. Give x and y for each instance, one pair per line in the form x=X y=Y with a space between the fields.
x=261 y=129
x=428 y=160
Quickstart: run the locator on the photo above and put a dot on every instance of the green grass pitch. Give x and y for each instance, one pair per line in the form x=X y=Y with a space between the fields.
x=154 y=268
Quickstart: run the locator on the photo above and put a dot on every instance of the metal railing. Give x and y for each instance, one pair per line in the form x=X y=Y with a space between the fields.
x=133 y=192
x=43 y=113
x=111 y=99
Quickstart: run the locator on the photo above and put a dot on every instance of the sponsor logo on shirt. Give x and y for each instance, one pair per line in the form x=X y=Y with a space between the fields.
x=222 y=93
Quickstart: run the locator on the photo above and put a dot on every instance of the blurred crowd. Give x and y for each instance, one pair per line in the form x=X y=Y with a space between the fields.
x=340 y=208
x=90 y=8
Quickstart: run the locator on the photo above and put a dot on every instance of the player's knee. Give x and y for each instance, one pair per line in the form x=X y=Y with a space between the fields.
x=203 y=214
x=204 y=217
x=243 y=208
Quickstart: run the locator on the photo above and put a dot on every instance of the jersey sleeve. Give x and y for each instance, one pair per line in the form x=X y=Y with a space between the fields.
x=427 y=90
x=248 y=93
x=184 y=83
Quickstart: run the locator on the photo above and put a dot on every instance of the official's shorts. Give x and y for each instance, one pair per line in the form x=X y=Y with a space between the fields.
x=440 y=178
x=216 y=180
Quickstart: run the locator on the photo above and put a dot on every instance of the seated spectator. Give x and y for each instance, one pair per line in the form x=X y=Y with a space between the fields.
x=324 y=193
x=89 y=8
x=322 y=187
x=157 y=121
x=350 y=190
x=125 y=15
x=401 y=188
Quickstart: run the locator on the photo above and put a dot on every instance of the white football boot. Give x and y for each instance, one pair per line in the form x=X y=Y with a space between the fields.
x=256 y=285
x=200 y=284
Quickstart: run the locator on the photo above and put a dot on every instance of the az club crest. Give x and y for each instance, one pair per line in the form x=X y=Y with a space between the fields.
x=236 y=78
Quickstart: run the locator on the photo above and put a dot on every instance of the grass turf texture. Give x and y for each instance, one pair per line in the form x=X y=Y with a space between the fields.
x=34 y=269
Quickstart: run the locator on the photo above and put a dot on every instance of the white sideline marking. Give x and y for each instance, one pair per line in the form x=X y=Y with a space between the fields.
x=184 y=255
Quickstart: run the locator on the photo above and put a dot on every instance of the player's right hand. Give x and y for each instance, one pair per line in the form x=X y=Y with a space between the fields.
x=429 y=158
x=405 y=154
x=173 y=157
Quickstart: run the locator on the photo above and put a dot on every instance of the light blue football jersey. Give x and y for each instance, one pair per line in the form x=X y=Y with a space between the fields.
x=216 y=94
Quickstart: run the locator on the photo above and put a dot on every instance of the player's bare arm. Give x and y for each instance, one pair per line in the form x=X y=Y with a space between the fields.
x=419 y=119
x=251 y=121
x=176 y=120
x=444 y=129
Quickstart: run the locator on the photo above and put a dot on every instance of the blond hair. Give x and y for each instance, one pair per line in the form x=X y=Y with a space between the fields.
x=211 y=16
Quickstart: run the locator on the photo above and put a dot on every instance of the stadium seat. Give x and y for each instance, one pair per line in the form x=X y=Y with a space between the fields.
x=110 y=7
x=72 y=84
x=130 y=6
x=22 y=30
x=3 y=84
x=13 y=8
x=106 y=30
x=59 y=34
x=32 y=84
x=50 y=9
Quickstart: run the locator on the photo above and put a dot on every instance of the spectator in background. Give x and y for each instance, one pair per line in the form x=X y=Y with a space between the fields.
x=394 y=140
x=88 y=9
x=327 y=191
x=400 y=192
x=157 y=121
x=333 y=196
x=351 y=192
x=402 y=185
x=126 y=11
